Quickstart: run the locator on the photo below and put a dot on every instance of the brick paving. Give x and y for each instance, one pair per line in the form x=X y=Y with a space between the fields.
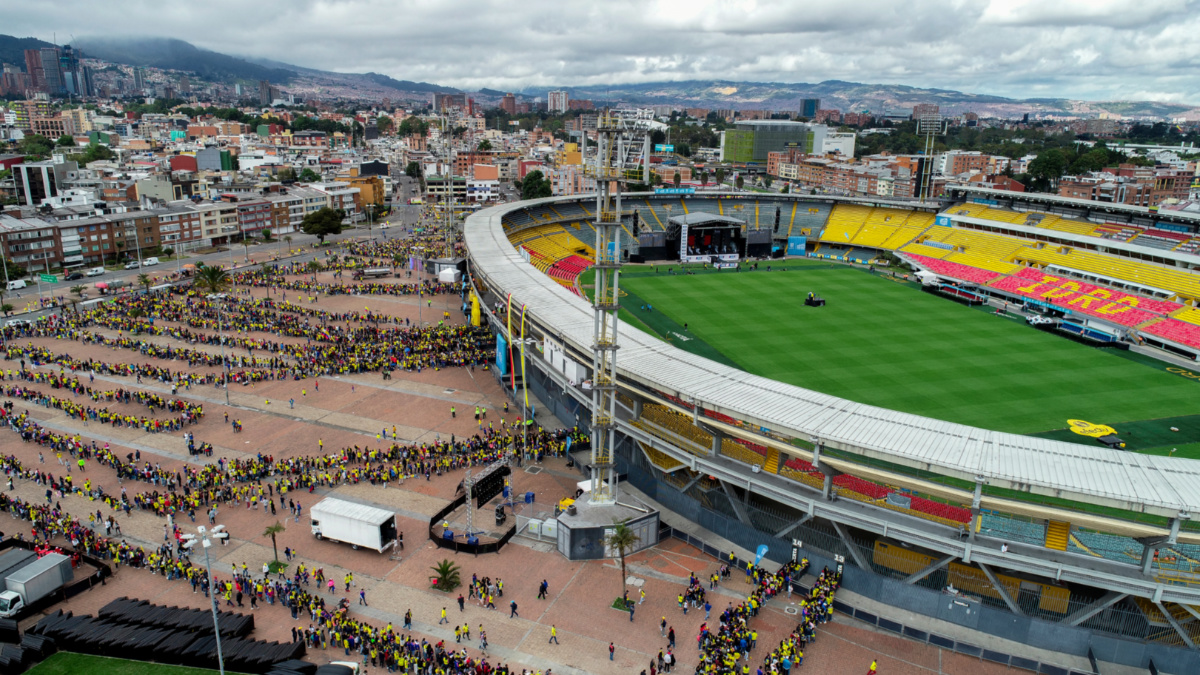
x=353 y=410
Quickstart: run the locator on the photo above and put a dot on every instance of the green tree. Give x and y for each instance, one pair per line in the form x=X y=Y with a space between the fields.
x=212 y=279
x=535 y=186
x=740 y=182
x=412 y=126
x=266 y=234
x=484 y=145
x=413 y=170
x=323 y=222
x=767 y=180
x=35 y=147
x=77 y=291
x=273 y=531
x=13 y=270
x=787 y=187
x=1048 y=167
x=386 y=125
x=144 y=281
x=309 y=176
x=285 y=174
x=720 y=172
x=622 y=540
x=448 y=575
x=676 y=179
x=65 y=141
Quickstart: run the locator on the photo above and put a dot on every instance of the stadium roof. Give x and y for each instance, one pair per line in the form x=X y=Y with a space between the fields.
x=1126 y=480
x=702 y=218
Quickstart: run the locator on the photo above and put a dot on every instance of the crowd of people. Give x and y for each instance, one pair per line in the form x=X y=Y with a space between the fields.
x=733 y=639
x=815 y=610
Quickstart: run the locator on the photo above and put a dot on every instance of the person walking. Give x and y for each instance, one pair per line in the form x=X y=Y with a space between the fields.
x=611 y=650
x=631 y=606
x=662 y=627
x=553 y=634
x=443 y=619
x=874 y=666
x=513 y=607
x=362 y=597
x=542 y=590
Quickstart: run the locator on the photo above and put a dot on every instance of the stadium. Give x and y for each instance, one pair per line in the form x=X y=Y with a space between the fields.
x=1031 y=482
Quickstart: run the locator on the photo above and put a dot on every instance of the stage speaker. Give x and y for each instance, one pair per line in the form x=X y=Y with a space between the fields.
x=448 y=534
x=633 y=258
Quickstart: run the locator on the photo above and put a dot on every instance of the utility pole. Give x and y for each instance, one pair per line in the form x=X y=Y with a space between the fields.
x=206 y=537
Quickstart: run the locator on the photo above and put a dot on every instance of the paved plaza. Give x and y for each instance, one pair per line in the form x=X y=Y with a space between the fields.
x=296 y=418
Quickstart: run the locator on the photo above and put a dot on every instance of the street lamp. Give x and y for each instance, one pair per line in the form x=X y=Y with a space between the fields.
x=219 y=299
x=206 y=537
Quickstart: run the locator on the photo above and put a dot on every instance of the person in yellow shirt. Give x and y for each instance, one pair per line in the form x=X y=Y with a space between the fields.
x=553 y=635
x=874 y=665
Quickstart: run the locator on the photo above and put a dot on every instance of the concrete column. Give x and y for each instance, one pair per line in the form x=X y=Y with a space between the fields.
x=637 y=408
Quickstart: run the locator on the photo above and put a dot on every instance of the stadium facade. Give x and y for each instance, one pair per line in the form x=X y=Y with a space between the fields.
x=1066 y=547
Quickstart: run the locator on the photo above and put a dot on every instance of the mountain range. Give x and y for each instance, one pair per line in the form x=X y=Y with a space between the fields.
x=171 y=54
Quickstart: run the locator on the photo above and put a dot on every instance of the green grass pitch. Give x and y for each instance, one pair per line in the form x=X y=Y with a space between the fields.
x=891 y=345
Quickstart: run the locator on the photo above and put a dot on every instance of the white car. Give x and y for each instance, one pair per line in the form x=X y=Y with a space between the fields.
x=132 y=265
x=148 y=262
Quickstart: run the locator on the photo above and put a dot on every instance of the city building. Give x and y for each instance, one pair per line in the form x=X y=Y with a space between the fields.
x=509 y=104
x=750 y=141
x=809 y=107
x=557 y=101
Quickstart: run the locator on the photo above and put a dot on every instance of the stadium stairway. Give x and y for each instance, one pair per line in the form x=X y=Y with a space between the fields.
x=1075 y=543
x=772 y=465
x=1057 y=535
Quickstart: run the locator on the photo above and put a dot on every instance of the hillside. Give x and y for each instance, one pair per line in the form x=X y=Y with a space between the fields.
x=852 y=96
x=172 y=54
x=12 y=49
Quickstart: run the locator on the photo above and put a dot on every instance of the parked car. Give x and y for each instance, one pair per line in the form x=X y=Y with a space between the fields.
x=149 y=261
x=132 y=265
x=73 y=276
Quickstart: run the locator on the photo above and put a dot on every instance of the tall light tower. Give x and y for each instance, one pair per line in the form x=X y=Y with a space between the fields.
x=929 y=126
x=622 y=155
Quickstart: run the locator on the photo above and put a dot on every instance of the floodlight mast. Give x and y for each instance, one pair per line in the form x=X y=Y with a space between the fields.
x=622 y=155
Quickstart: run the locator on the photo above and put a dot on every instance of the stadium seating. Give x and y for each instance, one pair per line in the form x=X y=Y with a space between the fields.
x=955 y=270
x=983 y=262
x=995 y=246
x=1190 y=246
x=884 y=225
x=1161 y=239
x=1116 y=231
x=1012 y=529
x=844 y=223
x=1168 y=279
x=697 y=441
x=926 y=251
x=1188 y=314
x=1176 y=331
x=1054 y=222
x=1077 y=296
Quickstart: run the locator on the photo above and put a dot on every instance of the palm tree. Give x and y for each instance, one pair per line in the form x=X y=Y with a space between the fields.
x=272 y=531
x=214 y=279
x=313 y=266
x=287 y=238
x=77 y=291
x=144 y=281
x=246 y=245
x=449 y=575
x=622 y=540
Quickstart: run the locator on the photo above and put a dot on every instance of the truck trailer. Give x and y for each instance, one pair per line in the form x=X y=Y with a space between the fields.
x=33 y=582
x=354 y=524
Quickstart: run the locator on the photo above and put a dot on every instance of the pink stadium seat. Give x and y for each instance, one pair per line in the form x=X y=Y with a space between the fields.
x=1176 y=331
x=1077 y=296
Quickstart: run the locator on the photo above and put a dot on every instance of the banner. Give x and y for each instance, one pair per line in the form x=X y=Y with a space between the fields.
x=758 y=555
x=501 y=355
x=795 y=245
x=474 y=310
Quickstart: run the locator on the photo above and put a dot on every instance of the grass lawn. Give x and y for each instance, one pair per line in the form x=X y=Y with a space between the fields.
x=888 y=344
x=65 y=663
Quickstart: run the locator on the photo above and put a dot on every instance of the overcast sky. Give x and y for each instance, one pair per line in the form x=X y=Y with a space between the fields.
x=1092 y=49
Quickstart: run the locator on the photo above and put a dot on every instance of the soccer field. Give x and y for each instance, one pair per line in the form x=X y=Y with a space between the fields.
x=888 y=344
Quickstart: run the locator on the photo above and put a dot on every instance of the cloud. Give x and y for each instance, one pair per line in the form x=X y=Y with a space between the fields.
x=1097 y=49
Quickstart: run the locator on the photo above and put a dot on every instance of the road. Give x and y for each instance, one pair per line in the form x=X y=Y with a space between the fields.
x=236 y=257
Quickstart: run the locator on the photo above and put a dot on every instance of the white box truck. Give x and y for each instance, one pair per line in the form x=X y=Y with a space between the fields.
x=33 y=582
x=354 y=524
